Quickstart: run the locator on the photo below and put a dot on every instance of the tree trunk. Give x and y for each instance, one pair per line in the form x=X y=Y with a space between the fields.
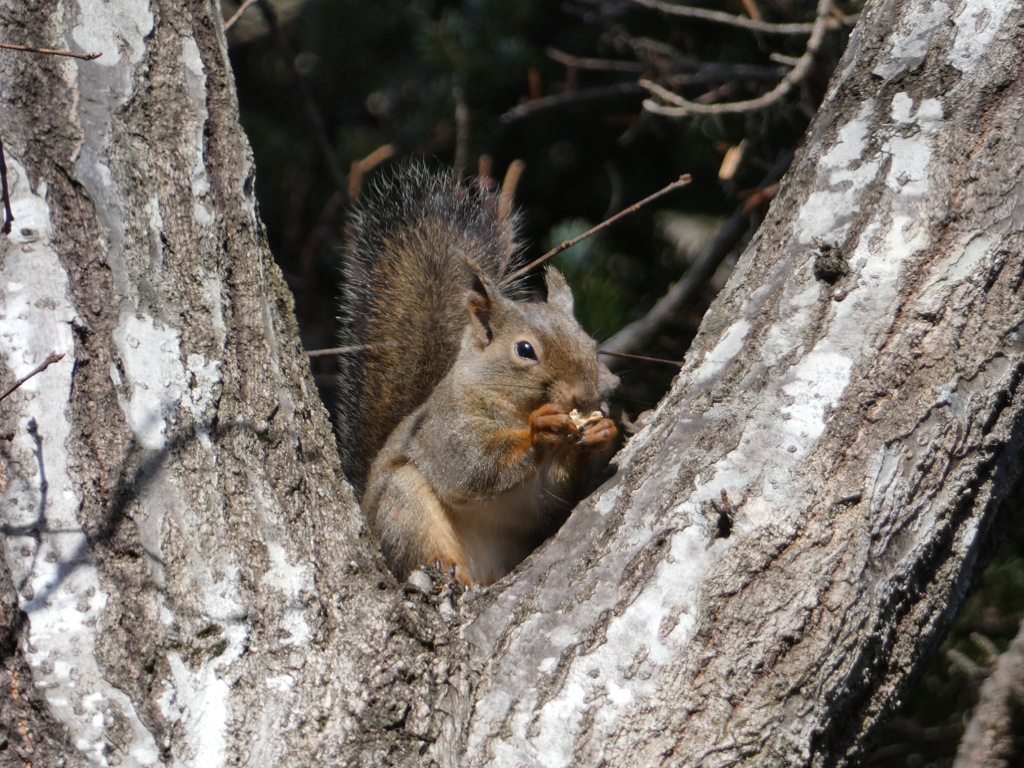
x=187 y=580
x=183 y=554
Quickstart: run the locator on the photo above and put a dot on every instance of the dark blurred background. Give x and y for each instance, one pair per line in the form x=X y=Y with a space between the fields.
x=332 y=90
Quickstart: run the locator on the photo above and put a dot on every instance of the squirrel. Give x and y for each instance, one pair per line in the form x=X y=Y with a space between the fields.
x=459 y=420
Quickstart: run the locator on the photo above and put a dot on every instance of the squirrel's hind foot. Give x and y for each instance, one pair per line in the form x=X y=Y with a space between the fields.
x=451 y=569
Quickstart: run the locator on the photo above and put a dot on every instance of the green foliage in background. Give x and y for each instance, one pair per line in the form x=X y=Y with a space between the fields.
x=598 y=301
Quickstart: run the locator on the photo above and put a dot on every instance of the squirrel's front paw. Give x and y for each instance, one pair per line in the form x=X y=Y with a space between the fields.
x=450 y=567
x=598 y=435
x=550 y=425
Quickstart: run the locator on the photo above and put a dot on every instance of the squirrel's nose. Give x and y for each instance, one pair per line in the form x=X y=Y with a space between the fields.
x=585 y=401
x=579 y=395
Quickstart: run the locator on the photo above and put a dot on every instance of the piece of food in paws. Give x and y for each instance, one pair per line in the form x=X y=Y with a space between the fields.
x=580 y=420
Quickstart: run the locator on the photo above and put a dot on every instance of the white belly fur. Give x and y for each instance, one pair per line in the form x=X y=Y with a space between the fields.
x=498 y=533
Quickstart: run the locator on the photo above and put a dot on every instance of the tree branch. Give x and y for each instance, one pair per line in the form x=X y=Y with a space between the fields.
x=561 y=99
x=682 y=107
x=600 y=65
x=682 y=181
x=51 y=358
x=754 y=25
x=238 y=14
x=51 y=51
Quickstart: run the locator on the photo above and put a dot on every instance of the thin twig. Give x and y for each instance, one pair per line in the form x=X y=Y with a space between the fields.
x=338 y=350
x=752 y=10
x=731 y=161
x=682 y=107
x=51 y=51
x=324 y=226
x=754 y=25
x=358 y=170
x=602 y=65
x=508 y=188
x=682 y=181
x=713 y=72
x=652 y=51
x=484 y=181
x=237 y=14
x=645 y=358
x=786 y=61
x=51 y=358
x=506 y=198
x=560 y=99
x=5 y=193
x=705 y=74
x=352 y=350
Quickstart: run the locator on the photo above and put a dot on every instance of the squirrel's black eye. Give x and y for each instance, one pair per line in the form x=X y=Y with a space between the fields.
x=525 y=350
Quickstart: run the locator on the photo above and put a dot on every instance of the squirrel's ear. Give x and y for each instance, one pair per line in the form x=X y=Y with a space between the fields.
x=480 y=302
x=559 y=293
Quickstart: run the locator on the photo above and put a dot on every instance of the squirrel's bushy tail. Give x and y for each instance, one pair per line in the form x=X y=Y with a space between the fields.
x=403 y=305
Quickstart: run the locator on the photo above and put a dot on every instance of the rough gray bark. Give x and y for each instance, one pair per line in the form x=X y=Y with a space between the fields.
x=186 y=579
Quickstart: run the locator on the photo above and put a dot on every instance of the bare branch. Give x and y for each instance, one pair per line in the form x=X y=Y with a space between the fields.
x=238 y=14
x=360 y=168
x=324 y=226
x=508 y=188
x=645 y=358
x=787 y=61
x=682 y=107
x=51 y=358
x=461 y=159
x=754 y=25
x=731 y=161
x=682 y=181
x=750 y=6
x=546 y=102
x=352 y=350
x=51 y=51
x=602 y=65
